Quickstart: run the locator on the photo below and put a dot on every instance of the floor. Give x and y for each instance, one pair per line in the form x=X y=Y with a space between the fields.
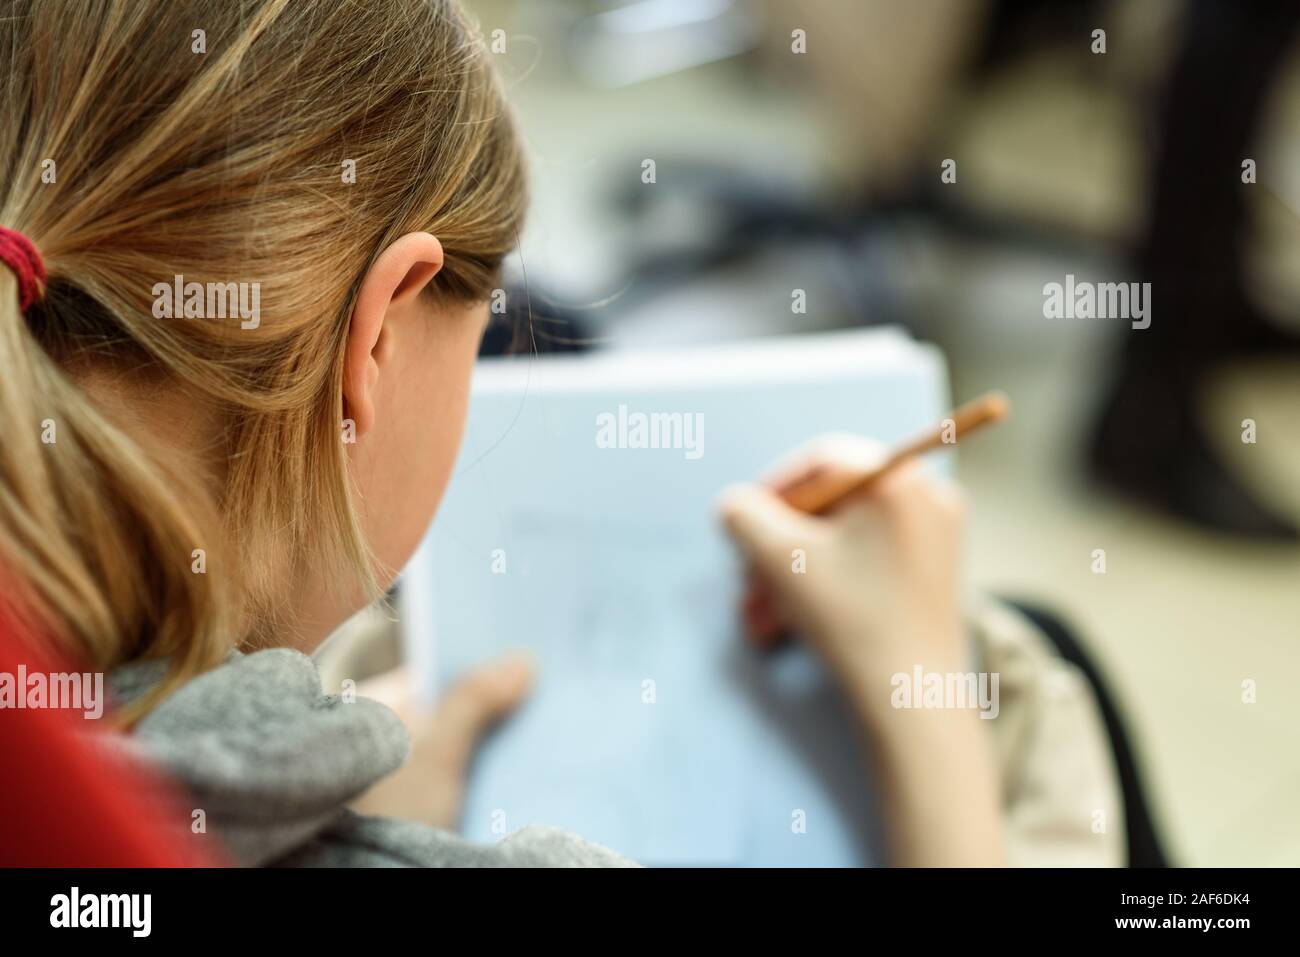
x=1179 y=620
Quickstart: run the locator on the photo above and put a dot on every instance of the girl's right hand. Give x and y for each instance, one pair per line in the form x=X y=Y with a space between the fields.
x=874 y=586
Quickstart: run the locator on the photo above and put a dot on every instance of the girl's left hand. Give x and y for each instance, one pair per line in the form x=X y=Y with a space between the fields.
x=429 y=786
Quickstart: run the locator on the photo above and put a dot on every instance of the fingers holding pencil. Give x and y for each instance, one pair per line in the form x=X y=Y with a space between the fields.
x=783 y=542
x=822 y=477
x=830 y=488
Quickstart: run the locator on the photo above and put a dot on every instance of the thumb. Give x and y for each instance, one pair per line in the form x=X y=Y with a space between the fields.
x=483 y=697
x=765 y=527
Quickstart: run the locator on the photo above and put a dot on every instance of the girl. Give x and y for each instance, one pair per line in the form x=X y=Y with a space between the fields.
x=193 y=495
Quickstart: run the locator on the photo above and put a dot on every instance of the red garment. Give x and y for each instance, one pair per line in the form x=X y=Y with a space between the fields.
x=63 y=804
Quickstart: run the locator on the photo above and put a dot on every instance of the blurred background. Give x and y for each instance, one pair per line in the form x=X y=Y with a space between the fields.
x=778 y=168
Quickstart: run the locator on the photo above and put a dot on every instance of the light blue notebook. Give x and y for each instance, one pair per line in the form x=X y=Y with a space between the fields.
x=581 y=522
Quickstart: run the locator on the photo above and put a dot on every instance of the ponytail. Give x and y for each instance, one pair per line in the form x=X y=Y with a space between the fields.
x=97 y=542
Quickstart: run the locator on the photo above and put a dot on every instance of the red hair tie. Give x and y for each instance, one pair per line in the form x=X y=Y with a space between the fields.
x=18 y=253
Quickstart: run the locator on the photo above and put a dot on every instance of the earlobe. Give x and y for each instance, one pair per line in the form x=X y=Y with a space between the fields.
x=397 y=277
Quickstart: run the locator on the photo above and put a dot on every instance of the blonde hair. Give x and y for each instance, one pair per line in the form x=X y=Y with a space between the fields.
x=128 y=158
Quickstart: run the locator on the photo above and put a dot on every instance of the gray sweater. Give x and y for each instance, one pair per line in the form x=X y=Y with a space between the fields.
x=271 y=760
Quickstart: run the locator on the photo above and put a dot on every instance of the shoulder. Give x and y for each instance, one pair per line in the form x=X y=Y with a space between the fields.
x=551 y=847
x=267 y=714
x=356 y=841
x=262 y=749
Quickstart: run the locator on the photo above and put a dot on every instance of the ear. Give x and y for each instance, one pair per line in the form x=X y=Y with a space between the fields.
x=390 y=287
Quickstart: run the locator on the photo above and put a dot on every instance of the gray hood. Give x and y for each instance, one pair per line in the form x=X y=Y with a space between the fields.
x=272 y=761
